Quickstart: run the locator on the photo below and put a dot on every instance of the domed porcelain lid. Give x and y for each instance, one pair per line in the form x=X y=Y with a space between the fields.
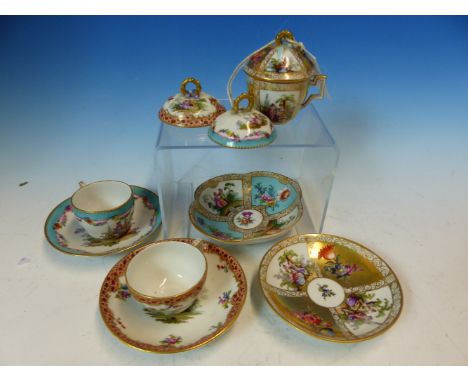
x=190 y=108
x=282 y=61
x=242 y=128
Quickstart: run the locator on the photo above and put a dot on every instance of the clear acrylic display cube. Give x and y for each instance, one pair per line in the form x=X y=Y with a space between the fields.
x=185 y=157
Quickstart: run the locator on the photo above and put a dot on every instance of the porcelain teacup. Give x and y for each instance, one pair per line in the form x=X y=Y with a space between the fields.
x=167 y=276
x=104 y=208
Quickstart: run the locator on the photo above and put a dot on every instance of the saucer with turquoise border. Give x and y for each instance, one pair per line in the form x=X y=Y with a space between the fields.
x=64 y=233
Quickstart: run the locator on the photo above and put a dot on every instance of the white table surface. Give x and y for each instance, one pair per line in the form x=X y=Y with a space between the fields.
x=402 y=194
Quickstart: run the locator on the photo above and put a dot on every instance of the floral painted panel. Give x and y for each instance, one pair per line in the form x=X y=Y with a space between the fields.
x=334 y=265
x=326 y=291
x=221 y=199
x=294 y=270
x=277 y=225
x=246 y=218
x=362 y=311
x=272 y=194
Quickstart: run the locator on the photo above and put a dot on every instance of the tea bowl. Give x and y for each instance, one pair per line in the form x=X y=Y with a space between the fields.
x=167 y=276
x=246 y=208
x=104 y=208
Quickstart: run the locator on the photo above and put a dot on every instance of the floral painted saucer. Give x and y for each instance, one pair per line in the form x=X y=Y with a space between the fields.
x=190 y=108
x=218 y=306
x=242 y=128
x=330 y=287
x=246 y=208
x=63 y=231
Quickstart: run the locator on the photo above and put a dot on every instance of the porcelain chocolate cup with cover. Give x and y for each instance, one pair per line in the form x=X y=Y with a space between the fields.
x=281 y=75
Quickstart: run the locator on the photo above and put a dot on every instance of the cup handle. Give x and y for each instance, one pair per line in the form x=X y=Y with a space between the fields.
x=318 y=80
x=81 y=184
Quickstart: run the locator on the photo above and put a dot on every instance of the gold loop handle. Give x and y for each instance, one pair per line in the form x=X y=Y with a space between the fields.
x=81 y=184
x=248 y=96
x=188 y=81
x=318 y=80
x=283 y=34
